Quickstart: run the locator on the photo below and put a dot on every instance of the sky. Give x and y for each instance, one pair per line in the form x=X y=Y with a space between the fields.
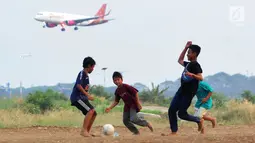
x=144 y=42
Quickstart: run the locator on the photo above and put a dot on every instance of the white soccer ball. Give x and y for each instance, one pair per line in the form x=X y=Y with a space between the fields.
x=108 y=129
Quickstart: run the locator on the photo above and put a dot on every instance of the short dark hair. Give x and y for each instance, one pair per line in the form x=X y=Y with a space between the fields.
x=116 y=75
x=195 y=48
x=88 y=61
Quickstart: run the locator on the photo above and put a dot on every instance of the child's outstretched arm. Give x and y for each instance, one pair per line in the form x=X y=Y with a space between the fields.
x=111 y=107
x=182 y=55
x=116 y=102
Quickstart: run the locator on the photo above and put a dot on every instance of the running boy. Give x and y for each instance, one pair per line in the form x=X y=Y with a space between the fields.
x=204 y=103
x=80 y=96
x=132 y=104
x=190 y=78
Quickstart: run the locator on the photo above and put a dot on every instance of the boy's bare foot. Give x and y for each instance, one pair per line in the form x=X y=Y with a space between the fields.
x=214 y=122
x=150 y=127
x=85 y=134
x=136 y=133
x=171 y=134
x=82 y=131
x=201 y=125
x=92 y=134
x=202 y=130
x=95 y=135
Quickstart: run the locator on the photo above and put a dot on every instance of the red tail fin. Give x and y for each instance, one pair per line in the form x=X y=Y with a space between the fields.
x=101 y=11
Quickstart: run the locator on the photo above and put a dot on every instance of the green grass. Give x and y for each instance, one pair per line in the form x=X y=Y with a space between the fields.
x=6 y=103
x=16 y=118
x=2 y=125
x=64 y=114
x=100 y=109
x=64 y=118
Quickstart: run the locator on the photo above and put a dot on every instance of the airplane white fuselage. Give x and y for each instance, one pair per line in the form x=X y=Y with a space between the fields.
x=53 y=19
x=58 y=18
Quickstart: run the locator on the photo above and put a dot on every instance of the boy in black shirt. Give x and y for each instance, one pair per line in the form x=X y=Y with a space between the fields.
x=190 y=78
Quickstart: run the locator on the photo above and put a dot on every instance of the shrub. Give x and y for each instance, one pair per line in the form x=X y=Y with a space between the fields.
x=40 y=102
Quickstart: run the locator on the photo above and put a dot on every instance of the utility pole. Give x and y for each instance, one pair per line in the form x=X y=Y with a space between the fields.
x=104 y=69
x=20 y=89
x=22 y=58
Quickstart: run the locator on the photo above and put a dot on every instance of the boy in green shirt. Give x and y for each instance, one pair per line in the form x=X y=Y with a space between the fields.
x=204 y=103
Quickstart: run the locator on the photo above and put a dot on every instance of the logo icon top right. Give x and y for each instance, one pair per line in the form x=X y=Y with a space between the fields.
x=236 y=13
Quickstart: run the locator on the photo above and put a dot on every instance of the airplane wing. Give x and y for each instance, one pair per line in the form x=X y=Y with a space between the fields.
x=90 y=18
x=85 y=19
x=110 y=19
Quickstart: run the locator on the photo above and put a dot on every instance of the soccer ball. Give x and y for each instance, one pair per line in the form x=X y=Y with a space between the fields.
x=108 y=129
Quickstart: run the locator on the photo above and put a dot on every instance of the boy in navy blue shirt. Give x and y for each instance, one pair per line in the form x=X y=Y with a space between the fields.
x=80 y=96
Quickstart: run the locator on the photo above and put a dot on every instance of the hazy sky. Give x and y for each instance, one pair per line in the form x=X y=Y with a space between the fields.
x=145 y=40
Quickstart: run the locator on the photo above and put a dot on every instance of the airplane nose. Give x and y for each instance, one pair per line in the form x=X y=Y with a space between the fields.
x=37 y=18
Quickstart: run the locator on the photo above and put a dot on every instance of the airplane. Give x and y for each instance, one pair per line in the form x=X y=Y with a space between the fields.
x=26 y=55
x=53 y=19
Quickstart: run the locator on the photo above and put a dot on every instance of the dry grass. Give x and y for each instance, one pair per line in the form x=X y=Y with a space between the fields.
x=17 y=118
x=234 y=113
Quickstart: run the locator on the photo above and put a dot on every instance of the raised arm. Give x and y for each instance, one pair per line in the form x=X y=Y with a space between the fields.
x=182 y=55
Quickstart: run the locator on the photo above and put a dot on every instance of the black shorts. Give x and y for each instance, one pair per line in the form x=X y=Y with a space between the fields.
x=83 y=105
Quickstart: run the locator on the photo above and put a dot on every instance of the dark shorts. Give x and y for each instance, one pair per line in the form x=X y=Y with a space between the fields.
x=83 y=105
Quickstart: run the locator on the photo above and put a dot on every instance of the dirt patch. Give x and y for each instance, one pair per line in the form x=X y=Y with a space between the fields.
x=159 y=108
x=226 y=134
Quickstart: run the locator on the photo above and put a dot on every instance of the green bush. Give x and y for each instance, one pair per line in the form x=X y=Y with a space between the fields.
x=219 y=100
x=99 y=91
x=248 y=95
x=163 y=101
x=61 y=104
x=31 y=108
x=155 y=95
x=40 y=102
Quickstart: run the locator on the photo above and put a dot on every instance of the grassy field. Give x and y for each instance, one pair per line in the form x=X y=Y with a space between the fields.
x=62 y=123
x=68 y=118
x=12 y=115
